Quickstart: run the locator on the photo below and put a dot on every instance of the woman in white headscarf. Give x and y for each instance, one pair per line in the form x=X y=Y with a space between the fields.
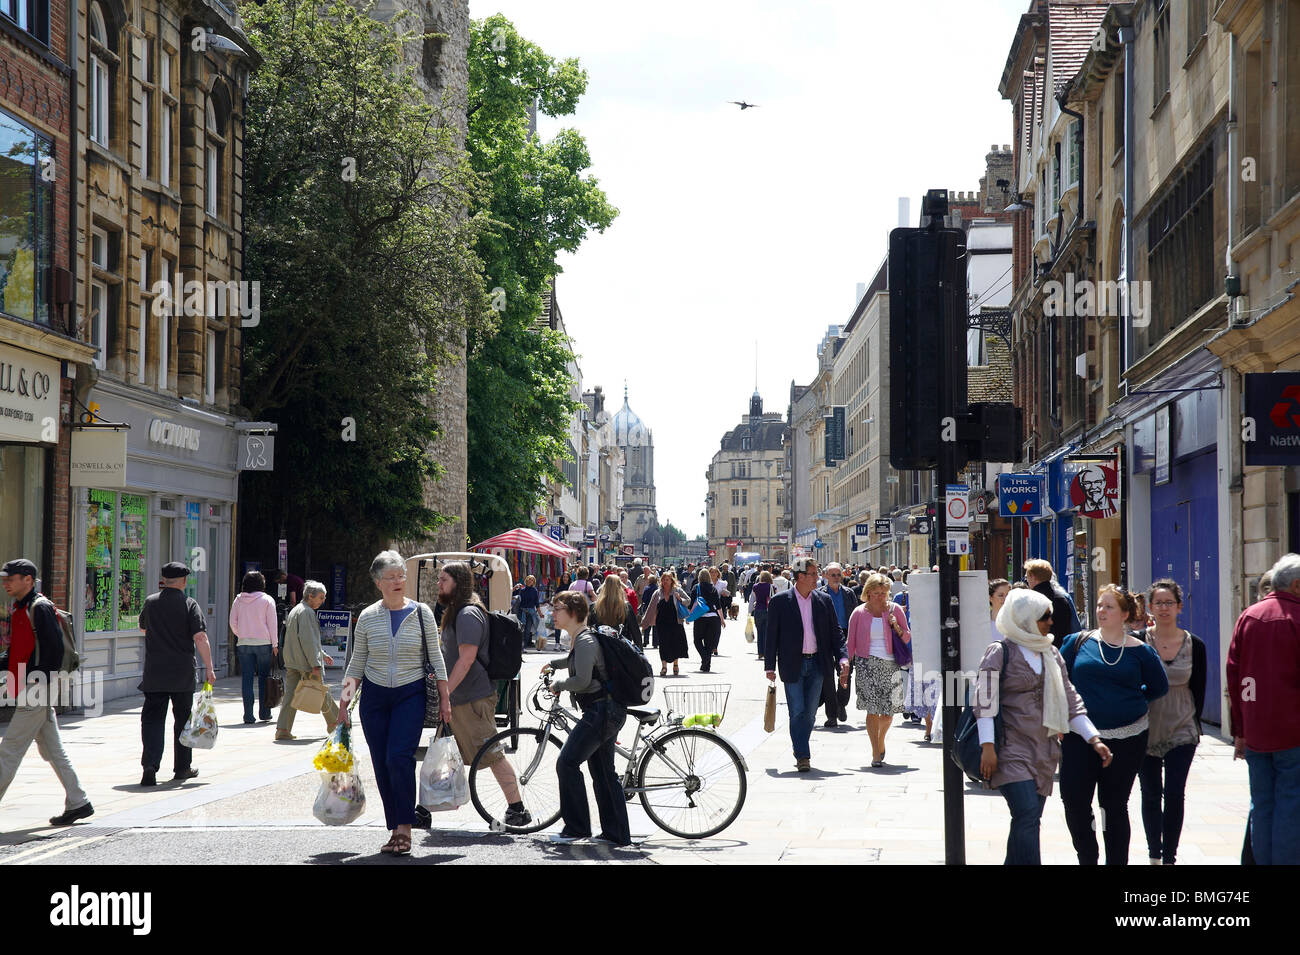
x=1038 y=704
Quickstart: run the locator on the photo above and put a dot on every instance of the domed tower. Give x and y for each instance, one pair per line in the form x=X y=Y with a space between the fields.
x=639 y=516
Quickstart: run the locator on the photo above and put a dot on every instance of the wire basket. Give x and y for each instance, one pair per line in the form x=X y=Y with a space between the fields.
x=703 y=706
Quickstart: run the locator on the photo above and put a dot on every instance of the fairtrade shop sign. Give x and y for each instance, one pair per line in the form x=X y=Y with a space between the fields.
x=1020 y=495
x=98 y=458
x=334 y=628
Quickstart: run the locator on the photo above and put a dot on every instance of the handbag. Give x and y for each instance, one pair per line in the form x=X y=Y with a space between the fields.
x=769 y=709
x=275 y=684
x=698 y=610
x=681 y=611
x=966 y=749
x=310 y=694
x=902 y=651
x=749 y=630
x=432 y=703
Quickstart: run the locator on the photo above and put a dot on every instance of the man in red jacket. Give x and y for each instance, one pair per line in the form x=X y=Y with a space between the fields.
x=1263 y=674
x=35 y=653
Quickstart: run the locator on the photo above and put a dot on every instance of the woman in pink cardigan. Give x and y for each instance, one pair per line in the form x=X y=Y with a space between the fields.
x=874 y=627
x=253 y=621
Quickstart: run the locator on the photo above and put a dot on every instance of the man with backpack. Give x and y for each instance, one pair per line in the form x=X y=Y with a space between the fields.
x=36 y=654
x=466 y=644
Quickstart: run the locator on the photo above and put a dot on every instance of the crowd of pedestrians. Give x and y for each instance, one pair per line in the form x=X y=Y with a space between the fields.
x=1104 y=706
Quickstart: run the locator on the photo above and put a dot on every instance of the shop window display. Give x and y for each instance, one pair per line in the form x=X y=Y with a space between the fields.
x=115 y=560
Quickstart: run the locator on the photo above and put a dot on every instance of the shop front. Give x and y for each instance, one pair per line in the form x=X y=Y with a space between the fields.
x=177 y=503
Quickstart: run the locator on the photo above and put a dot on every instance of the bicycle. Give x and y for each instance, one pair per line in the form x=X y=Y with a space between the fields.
x=691 y=781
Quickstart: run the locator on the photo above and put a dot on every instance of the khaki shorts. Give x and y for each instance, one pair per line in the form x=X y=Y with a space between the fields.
x=472 y=725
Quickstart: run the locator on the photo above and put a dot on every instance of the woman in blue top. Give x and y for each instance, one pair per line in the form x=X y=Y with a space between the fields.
x=529 y=598
x=1117 y=675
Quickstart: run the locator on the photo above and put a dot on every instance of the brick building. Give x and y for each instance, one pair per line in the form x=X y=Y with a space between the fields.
x=41 y=356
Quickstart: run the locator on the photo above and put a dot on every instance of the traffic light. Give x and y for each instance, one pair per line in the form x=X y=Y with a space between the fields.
x=927 y=340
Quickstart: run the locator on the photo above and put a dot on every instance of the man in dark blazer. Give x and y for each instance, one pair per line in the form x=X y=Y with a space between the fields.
x=835 y=697
x=804 y=644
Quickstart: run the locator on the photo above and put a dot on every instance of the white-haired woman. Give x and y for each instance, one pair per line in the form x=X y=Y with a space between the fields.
x=304 y=657
x=1037 y=703
x=392 y=639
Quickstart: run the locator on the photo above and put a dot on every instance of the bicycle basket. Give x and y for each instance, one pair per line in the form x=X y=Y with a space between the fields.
x=703 y=706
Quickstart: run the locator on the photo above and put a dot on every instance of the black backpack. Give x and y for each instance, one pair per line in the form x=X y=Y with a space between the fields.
x=629 y=676
x=505 y=647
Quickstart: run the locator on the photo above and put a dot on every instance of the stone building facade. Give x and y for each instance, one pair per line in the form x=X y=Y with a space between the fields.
x=746 y=486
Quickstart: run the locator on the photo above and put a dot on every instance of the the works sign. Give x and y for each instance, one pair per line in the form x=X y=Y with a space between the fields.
x=1271 y=432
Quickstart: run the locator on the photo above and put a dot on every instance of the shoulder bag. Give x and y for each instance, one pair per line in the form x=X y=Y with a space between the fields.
x=432 y=703
x=966 y=749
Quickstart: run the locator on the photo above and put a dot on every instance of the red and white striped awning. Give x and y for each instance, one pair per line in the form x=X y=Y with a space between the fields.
x=526 y=540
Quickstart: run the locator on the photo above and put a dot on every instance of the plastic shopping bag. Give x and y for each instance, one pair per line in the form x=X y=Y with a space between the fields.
x=443 y=783
x=200 y=730
x=335 y=754
x=341 y=799
x=750 y=630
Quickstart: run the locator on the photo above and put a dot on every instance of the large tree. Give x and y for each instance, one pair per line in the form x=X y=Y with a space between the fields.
x=541 y=203
x=361 y=228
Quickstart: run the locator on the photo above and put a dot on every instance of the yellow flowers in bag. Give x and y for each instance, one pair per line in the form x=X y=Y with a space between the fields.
x=335 y=756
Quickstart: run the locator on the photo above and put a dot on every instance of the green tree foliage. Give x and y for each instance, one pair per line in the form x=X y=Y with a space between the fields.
x=672 y=536
x=519 y=405
x=361 y=229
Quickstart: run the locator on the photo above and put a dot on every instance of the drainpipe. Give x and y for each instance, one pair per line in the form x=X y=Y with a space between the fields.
x=1234 y=194
x=1126 y=37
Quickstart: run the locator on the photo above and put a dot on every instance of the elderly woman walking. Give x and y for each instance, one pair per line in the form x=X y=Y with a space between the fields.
x=303 y=657
x=877 y=630
x=392 y=639
x=661 y=613
x=1023 y=679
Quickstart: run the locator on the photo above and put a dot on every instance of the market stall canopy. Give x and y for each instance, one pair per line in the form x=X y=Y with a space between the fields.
x=528 y=541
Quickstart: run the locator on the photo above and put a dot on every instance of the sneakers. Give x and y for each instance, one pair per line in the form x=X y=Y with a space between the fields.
x=564 y=839
x=187 y=774
x=150 y=778
x=517 y=818
x=72 y=815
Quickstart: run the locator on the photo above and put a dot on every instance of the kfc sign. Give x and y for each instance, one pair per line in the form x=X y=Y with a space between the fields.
x=1094 y=492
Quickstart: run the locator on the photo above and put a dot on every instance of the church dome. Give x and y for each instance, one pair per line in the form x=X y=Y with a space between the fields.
x=629 y=429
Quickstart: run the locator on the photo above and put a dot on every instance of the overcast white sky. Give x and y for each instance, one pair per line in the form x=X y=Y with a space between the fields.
x=743 y=228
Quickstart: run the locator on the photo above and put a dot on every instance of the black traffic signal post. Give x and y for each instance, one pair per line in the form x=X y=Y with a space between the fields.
x=931 y=427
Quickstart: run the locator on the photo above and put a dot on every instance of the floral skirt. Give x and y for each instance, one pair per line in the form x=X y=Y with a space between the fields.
x=880 y=685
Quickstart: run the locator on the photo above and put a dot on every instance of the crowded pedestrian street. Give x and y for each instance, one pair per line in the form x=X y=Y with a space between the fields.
x=252 y=800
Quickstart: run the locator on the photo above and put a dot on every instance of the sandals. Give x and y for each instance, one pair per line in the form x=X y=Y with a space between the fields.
x=663 y=670
x=399 y=845
x=676 y=672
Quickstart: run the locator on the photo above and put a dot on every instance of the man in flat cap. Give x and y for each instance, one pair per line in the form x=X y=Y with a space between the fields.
x=35 y=654
x=173 y=628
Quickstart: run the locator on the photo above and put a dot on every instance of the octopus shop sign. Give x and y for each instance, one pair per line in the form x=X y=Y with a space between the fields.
x=173 y=435
x=29 y=396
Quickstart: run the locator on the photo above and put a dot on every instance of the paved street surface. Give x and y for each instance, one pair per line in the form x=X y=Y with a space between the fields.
x=252 y=801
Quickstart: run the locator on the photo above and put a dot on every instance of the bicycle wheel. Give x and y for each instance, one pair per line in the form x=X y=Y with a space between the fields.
x=540 y=794
x=692 y=783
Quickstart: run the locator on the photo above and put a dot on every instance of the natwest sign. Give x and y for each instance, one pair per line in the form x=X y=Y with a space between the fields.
x=1271 y=431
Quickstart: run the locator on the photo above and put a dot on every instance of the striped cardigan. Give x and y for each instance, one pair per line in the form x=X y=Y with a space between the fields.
x=390 y=660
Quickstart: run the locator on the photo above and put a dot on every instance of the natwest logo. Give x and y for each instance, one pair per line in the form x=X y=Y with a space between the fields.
x=1279 y=415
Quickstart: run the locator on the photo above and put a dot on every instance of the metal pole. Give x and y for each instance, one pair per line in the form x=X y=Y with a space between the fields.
x=1017 y=546
x=949 y=582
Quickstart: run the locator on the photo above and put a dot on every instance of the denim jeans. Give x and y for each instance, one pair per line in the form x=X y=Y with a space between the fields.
x=393 y=718
x=1275 y=806
x=1162 y=805
x=707 y=631
x=528 y=617
x=802 y=699
x=592 y=742
x=1026 y=805
x=255 y=660
x=760 y=624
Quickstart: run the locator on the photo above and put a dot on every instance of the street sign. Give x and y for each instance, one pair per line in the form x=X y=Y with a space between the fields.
x=980 y=506
x=1020 y=495
x=884 y=527
x=713 y=553
x=627 y=550
x=957 y=503
x=959 y=543
x=781 y=539
x=556 y=532
x=981 y=518
x=819 y=543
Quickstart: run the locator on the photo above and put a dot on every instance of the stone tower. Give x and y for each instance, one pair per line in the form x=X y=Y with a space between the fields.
x=639 y=516
x=442 y=70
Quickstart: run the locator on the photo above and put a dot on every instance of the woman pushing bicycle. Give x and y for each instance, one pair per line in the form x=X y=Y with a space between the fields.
x=592 y=739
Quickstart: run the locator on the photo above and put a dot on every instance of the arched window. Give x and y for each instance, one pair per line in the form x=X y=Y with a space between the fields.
x=217 y=115
x=103 y=62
